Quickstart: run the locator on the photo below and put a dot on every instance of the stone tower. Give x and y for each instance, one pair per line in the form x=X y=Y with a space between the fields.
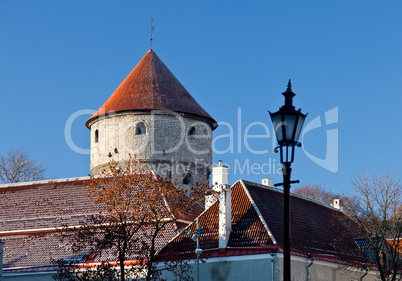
x=152 y=116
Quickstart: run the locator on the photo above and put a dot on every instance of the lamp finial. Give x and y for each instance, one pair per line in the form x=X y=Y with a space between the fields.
x=288 y=97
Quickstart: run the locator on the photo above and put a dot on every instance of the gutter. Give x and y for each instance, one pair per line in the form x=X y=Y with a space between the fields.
x=275 y=267
x=361 y=278
x=308 y=268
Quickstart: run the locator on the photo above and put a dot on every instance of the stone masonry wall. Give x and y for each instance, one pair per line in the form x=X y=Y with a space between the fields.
x=177 y=143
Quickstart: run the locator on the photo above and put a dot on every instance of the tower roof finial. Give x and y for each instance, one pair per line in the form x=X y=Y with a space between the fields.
x=152 y=29
x=289 y=84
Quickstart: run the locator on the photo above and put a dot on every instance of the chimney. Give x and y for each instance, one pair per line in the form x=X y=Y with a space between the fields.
x=337 y=204
x=266 y=182
x=1 y=260
x=225 y=215
x=220 y=184
x=219 y=176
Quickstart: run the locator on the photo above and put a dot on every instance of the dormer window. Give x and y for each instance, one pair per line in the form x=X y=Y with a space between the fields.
x=96 y=136
x=140 y=129
x=187 y=178
x=191 y=131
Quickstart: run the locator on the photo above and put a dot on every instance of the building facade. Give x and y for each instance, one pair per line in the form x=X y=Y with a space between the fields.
x=250 y=246
x=153 y=118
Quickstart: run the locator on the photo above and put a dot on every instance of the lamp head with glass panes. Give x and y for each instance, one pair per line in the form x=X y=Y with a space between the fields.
x=288 y=123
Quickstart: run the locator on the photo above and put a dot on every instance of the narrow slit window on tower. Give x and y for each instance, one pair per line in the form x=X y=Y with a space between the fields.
x=187 y=178
x=191 y=131
x=140 y=129
x=96 y=136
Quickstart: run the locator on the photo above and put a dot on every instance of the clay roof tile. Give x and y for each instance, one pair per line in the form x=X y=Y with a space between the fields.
x=316 y=228
x=151 y=86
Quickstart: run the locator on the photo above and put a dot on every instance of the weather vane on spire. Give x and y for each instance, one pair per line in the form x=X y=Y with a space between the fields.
x=152 y=29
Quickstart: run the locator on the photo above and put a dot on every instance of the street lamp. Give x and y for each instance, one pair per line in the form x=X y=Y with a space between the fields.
x=288 y=123
x=195 y=236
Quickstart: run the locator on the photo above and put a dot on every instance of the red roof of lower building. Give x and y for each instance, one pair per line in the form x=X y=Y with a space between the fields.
x=257 y=221
x=151 y=86
x=33 y=213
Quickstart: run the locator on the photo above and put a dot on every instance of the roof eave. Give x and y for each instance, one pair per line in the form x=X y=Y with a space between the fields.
x=211 y=122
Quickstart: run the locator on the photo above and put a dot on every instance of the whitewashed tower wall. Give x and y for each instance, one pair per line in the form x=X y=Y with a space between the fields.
x=167 y=145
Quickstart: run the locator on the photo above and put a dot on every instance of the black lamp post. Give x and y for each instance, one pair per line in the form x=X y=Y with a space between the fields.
x=288 y=123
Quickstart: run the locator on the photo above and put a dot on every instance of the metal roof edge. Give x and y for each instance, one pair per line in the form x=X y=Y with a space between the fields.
x=292 y=194
x=258 y=212
x=211 y=121
x=43 y=182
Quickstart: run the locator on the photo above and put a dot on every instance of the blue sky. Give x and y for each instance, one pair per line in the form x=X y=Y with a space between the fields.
x=233 y=56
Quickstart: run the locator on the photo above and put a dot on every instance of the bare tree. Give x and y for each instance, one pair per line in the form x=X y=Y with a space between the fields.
x=18 y=166
x=138 y=206
x=376 y=208
x=317 y=192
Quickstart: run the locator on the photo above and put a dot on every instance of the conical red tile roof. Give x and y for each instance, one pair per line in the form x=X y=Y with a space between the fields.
x=151 y=86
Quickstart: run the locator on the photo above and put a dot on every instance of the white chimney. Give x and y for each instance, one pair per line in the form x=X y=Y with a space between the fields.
x=220 y=185
x=266 y=182
x=225 y=215
x=220 y=174
x=220 y=177
x=336 y=204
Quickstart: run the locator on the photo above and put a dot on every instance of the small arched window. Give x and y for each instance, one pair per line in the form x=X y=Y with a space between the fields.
x=96 y=136
x=140 y=129
x=187 y=179
x=191 y=131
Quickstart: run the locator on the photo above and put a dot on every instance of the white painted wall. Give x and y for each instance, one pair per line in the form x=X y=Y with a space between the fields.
x=267 y=267
x=253 y=268
x=31 y=276
x=264 y=267
x=166 y=143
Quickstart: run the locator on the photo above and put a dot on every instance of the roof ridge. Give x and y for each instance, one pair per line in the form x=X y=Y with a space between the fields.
x=292 y=194
x=271 y=235
x=4 y=185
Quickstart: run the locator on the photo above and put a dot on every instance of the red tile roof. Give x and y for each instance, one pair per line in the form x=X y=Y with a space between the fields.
x=396 y=243
x=32 y=212
x=247 y=228
x=151 y=86
x=315 y=228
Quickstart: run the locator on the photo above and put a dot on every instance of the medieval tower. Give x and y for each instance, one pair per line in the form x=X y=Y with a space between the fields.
x=152 y=116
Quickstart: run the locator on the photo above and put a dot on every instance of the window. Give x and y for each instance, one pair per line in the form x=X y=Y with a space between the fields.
x=191 y=131
x=140 y=129
x=96 y=136
x=187 y=179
